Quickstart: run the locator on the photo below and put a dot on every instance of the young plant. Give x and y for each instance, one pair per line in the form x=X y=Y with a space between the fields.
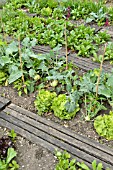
x=12 y=135
x=98 y=17
x=7 y=154
x=59 y=109
x=9 y=162
x=44 y=101
x=92 y=106
x=65 y=162
x=104 y=125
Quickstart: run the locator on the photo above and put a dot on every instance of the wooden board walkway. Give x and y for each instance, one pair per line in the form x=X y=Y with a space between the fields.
x=3 y=103
x=83 y=63
x=53 y=136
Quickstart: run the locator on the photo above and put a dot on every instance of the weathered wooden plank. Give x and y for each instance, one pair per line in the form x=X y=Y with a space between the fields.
x=67 y=139
x=63 y=130
x=2 y=106
x=83 y=63
x=5 y=121
x=27 y=135
x=34 y=138
x=5 y=100
x=55 y=141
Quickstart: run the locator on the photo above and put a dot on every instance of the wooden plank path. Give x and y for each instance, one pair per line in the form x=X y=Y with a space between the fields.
x=3 y=103
x=53 y=136
x=83 y=63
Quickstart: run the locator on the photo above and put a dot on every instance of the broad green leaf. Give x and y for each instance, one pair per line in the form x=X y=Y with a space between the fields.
x=12 y=47
x=10 y=155
x=39 y=57
x=100 y=166
x=5 y=60
x=32 y=72
x=72 y=162
x=3 y=165
x=110 y=81
x=26 y=41
x=33 y=42
x=14 y=76
x=89 y=20
x=94 y=165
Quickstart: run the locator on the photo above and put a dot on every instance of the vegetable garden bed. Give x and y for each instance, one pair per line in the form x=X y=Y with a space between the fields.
x=60 y=62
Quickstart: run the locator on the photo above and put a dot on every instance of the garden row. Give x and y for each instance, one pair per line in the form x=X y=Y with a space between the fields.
x=53 y=24
x=61 y=90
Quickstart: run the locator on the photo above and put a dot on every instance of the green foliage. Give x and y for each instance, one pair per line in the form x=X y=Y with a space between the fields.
x=58 y=106
x=46 y=11
x=26 y=87
x=108 y=54
x=50 y=30
x=66 y=163
x=49 y=102
x=84 y=40
x=35 y=68
x=104 y=125
x=98 y=17
x=12 y=134
x=9 y=163
x=92 y=106
x=44 y=101
x=3 y=77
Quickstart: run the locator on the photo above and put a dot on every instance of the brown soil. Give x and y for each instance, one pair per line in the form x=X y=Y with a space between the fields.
x=31 y=156
x=35 y=157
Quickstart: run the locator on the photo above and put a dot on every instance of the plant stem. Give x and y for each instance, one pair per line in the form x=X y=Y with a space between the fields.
x=100 y=71
x=20 y=57
x=2 y=25
x=66 y=47
x=85 y=104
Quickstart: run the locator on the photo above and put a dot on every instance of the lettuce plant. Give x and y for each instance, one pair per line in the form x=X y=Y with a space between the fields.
x=104 y=125
x=58 y=106
x=43 y=101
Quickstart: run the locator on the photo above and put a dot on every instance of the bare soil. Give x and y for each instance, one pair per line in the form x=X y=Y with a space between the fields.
x=31 y=156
